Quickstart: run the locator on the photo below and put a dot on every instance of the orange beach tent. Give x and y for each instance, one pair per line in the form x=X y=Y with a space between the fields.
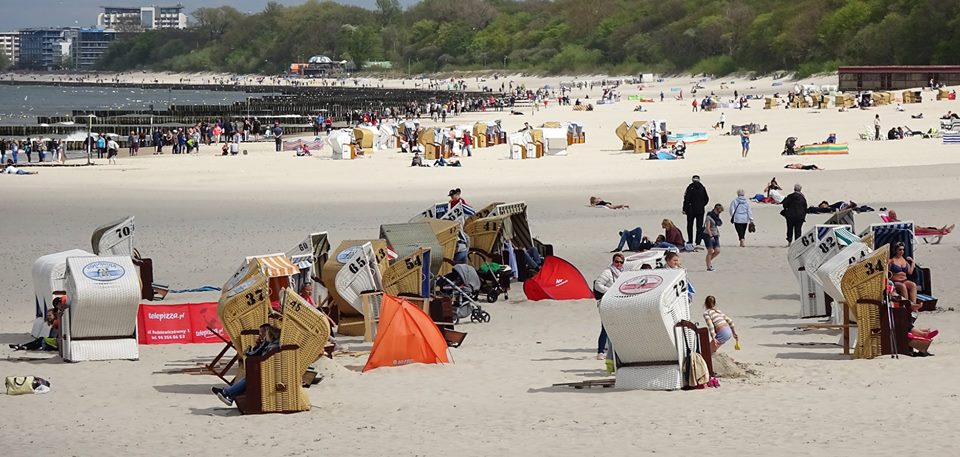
x=405 y=335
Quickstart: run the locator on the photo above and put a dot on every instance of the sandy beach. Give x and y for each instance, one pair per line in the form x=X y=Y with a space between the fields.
x=199 y=214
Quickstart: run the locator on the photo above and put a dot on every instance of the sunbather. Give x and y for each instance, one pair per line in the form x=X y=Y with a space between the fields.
x=268 y=340
x=901 y=268
x=12 y=170
x=597 y=202
x=800 y=166
x=946 y=229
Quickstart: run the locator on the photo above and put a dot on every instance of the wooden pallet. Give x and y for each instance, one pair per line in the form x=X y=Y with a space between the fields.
x=605 y=383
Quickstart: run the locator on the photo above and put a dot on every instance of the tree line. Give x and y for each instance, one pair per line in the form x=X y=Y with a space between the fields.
x=559 y=36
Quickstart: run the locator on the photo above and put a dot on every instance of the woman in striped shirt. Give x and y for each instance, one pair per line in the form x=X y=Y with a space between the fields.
x=720 y=326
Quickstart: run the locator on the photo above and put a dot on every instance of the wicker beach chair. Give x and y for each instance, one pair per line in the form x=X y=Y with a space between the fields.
x=274 y=379
x=486 y=235
x=406 y=275
x=447 y=233
x=640 y=312
x=101 y=320
x=244 y=308
x=863 y=285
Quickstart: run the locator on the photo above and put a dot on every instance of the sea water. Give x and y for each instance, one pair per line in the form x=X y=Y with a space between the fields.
x=20 y=105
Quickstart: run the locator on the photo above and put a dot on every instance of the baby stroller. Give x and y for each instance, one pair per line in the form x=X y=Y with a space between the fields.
x=790 y=146
x=679 y=149
x=494 y=280
x=463 y=285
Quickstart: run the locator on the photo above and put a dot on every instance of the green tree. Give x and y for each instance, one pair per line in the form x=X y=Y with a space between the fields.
x=4 y=62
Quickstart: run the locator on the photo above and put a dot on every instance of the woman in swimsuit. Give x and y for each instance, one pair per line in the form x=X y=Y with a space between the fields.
x=900 y=270
x=946 y=229
x=597 y=202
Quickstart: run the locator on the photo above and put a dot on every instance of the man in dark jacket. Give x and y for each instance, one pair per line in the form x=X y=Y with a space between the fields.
x=795 y=212
x=695 y=199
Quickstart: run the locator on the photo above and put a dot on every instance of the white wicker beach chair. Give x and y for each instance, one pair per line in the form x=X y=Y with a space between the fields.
x=101 y=320
x=640 y=312
x=831 y=273
x=115 y=238
x=339 y=141
x=360 y=273
x=654 y=258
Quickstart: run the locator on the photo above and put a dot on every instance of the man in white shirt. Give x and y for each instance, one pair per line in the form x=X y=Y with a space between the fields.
x=12 y=170
x=112 y=148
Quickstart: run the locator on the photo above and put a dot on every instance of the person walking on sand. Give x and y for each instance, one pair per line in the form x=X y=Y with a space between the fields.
x=744 y=143
x=876 y=127
x=795 y=212
x=112 y=148
x=711 y=234
x=723 y=121
x=604 y=280
x=695 y=200
x=741 y=215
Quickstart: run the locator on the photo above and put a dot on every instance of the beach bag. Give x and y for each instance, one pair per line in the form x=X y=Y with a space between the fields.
x=19 y=385
x=752 y=228
x=697 y=374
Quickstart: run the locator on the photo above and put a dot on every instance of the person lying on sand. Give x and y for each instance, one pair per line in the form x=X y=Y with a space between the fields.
x=596 y=202
x=892 y=217
x=12 y=170
x=800 y=166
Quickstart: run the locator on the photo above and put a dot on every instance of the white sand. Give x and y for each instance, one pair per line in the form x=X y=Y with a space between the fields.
x=198 y=215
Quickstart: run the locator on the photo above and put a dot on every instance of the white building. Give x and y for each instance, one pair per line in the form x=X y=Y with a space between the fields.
x=10 y=46
x=131 y=19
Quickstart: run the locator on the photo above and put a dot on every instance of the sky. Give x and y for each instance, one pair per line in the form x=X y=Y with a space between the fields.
x=64 y=13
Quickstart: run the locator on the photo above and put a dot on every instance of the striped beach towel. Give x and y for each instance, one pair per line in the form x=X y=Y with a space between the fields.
x=951 y=138
x=823 y=149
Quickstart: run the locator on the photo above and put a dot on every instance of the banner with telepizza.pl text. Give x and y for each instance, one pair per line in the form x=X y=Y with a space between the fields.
x=182 y=323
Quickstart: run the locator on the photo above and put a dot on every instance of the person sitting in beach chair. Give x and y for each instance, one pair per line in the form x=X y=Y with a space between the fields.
x=596 y=202
x=901 y=270
x=268 y=340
